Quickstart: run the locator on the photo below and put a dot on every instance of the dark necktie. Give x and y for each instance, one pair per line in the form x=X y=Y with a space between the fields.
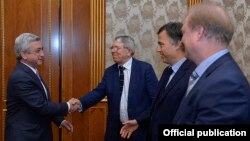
x=37 y=74
x=169 y=71
x=121 y=78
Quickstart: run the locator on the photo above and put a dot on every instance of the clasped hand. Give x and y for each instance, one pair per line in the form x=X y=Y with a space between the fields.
x=75 y=105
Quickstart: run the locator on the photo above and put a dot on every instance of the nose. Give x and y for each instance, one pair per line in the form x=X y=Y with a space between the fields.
x=42 y=53
x=158 y=48
x=113 y=50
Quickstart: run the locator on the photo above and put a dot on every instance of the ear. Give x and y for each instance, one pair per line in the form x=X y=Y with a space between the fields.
x=130 y=52
x=24 y=57
x=179 y=45
x=200 y=32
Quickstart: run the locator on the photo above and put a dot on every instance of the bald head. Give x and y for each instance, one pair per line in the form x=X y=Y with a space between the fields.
x=214 y=19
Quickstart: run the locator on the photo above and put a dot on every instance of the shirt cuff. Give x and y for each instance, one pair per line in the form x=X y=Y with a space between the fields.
x=68 y=106
x=80 y=110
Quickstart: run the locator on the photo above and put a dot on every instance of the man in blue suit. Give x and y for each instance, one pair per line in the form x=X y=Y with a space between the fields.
x=128 y=98
x=29 y=107
x=218 y=92
x=172 y=85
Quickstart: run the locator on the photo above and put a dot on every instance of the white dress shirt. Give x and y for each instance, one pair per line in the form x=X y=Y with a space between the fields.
x=36 y=72
x=124 y=96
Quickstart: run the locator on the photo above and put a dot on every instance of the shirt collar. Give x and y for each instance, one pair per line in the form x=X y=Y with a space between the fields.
x=33 y=69
x=177 y=65
x=201 y=68
x=128 y=64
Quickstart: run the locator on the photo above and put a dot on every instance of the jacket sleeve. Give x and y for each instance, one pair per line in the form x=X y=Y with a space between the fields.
x=151 y=84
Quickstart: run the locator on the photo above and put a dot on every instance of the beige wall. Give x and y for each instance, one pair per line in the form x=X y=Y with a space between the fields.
x=142 y=19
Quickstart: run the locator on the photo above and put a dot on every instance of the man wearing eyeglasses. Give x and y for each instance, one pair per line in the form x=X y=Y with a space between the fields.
x=130 y=86
x=172 y=85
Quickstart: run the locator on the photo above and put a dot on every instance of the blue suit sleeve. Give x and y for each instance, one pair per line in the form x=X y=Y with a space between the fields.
x=95 y=96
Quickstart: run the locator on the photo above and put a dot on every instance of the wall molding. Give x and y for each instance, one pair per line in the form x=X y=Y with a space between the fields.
x=193 y=2
x=97 y=43
x=49 y=43
x=3 y=97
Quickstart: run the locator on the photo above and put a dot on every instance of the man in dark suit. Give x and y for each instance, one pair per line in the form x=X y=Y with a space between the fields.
x=172 y=85
x=218 y=92
x=128 y=98
x=29 y=107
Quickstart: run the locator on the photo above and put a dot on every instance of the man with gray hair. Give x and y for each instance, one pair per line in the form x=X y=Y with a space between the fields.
x=29 y=107
x=172 y=85
x=130 y=87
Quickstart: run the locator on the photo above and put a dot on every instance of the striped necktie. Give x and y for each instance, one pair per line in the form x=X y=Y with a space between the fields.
x=121 y=78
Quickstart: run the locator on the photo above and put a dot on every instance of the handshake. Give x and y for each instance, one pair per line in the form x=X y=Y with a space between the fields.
x=74 y=105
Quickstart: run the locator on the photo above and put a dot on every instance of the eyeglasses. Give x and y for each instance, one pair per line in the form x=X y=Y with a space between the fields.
x=115 y=48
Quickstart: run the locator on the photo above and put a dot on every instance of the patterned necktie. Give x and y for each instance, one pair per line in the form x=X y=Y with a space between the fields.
x=192 y=79
x=38 y=76
x=121 y=78
x=42 y=84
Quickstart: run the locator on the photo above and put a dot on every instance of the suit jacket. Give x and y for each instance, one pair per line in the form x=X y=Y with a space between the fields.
x=29 y=112
x=168 y=99
x=220 y=96
x=142 y=90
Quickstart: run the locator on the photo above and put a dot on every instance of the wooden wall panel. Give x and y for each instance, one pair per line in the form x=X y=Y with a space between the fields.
x=97 y=121
x=83 y=63
x=193 y=2
x=75 y=60
x=2 y=79
x=98 y=113
x=72 y=33
x=13 y=21
x=97 y=43
x=66 y=57
x=41 y=18
x=50 y=38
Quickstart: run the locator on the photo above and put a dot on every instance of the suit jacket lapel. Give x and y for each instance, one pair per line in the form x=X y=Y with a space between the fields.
x=133 y=78
x=163 y=81
x=192 y=93
x=160 y=88
x=209 y=70
x=161 y=85
x=115 y=85
x=36 y=79
x=47 y=89
x=179 y=74
x=174 y=80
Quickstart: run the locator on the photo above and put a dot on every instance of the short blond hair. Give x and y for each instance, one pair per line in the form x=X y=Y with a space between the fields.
x=214 y=19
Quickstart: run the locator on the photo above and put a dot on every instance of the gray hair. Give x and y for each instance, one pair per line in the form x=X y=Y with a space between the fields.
x=128 y=42
x=22 y=43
